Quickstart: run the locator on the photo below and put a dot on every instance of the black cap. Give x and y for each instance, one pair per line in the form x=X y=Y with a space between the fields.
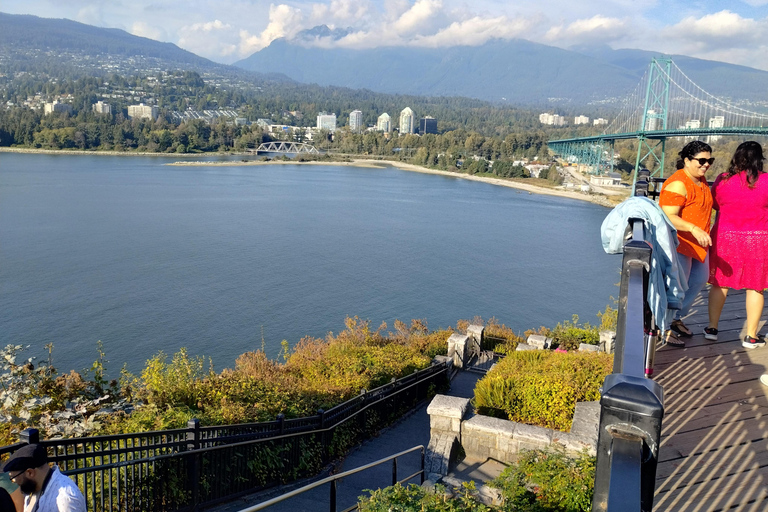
x=30 y=456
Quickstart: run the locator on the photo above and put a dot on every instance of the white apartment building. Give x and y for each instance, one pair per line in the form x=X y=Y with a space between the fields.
x=142 y=111
x=717 y=122
x=49 y=108
x=580 y=120
x=693 y=123
x=384 y=123
x=599 y=122
x=326 y=121
x=407 y=121
x=356 y=121
x=102 y=108
x=651 y=121
x=552 y=119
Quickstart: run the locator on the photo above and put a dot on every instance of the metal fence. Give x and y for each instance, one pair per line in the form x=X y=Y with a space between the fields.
x=182 y=469
x=632 y=405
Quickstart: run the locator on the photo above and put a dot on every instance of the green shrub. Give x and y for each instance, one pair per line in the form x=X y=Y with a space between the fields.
x=569 y=335
x=542 y=481
x=542 y=387
x=414 y=498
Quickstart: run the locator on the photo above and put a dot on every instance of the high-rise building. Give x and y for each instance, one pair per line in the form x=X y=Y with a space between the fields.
x=427 y=124
x=407 y=121
x=717 y=122
x=580 y=120
x=599 y=122
x=356 y=121
x=57 y=107
x=142 y=111
x=693 y=123
x=384 y=124
x=651 y=121
x=326 y=121
x=102 y=108
x=552 y=119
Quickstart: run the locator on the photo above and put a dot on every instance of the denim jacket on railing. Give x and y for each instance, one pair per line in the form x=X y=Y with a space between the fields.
x=666 y=285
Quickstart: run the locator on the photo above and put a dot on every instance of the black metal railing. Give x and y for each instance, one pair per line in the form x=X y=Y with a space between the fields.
x=182 y=469
x=631 y=405
x=332 y=480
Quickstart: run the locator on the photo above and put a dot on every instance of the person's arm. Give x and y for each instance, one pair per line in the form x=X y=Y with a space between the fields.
x=673 y=212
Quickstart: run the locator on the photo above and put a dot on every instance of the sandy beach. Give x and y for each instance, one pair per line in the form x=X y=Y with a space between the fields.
x=599 y=199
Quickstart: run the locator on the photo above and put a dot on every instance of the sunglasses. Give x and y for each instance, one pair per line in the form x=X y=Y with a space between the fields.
x=703 y=161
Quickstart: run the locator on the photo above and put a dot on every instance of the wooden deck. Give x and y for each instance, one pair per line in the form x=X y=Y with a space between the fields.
x=714 y=441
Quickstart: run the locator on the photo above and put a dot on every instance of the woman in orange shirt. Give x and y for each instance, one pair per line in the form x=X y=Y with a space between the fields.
x=687 y=201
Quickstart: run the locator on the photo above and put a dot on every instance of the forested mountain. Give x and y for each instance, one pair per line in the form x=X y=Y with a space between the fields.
x=517 y=71
x=31 y=43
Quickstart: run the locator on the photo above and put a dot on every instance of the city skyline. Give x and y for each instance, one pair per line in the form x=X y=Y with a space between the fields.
x=229 y=30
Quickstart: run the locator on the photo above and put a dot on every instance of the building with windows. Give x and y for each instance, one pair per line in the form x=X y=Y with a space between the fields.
x=384 y=123
x=326 y=121
x=142 y=111
x=49 y=108
x=580 y=120
x=356 y=121
x=102 y=108
x=552 y=119
x=651 y=120
x=717 y=122
x=407 y=121
x=427 y=124
x=599 y=122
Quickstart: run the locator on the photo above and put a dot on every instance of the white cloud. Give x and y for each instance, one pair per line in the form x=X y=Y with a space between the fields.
x=211 y=39
x=716 y=33
x=419 y=16
x=142 y=29
x=596 y=28
x=284 y=21
x=349 y=10
x=475 y=31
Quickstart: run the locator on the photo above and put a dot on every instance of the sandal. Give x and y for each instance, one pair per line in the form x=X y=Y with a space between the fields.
x=680 y=329
x=672 y=339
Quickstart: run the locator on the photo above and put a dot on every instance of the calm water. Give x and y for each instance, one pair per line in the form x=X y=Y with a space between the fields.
x=148 y=257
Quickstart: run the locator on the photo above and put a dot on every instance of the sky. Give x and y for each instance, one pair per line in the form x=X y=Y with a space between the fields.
x=225 y=31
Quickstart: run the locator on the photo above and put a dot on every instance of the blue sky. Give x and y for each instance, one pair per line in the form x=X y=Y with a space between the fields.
x=228 y=30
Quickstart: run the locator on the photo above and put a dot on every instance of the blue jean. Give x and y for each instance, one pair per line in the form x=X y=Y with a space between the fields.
x=697 y=274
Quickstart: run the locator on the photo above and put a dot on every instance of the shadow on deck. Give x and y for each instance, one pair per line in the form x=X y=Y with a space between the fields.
x=714 y=443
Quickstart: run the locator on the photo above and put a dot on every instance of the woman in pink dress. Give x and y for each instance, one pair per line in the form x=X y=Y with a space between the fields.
x=739 y=254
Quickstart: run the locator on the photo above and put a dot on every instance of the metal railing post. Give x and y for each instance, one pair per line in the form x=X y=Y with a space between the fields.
x=333 y=496
x=394 y=471
x=193 y=443
x=29 y=436
x=631 y=405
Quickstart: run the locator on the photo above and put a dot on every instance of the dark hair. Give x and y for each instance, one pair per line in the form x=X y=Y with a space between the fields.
x=692 y=148
x=748 y=157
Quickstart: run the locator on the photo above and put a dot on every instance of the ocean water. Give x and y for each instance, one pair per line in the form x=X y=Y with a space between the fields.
x=147 y=257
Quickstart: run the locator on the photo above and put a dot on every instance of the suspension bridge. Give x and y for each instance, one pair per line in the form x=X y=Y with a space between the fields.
x=665 y=104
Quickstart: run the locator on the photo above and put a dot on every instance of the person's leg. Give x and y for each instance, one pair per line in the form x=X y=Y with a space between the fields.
x=697 y=278
x=684 y=262
x=717 y=295
x=755 y=301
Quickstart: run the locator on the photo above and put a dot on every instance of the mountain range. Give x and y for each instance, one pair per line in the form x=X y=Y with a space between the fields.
x=515 y=72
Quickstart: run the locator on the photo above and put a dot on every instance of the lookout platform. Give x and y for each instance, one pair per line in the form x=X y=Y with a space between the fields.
x=714 y=441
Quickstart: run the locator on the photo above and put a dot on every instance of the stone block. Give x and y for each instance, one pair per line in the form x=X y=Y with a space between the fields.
x=607 y=341
x=532 y=434
x=448 y=406
x=586 y=419
x=444 y=360
x=458 y=345
x=475 y=334
x=525 y=346
x=441 y=423
x=575 y=444
x=586 y=347
x=539 y=341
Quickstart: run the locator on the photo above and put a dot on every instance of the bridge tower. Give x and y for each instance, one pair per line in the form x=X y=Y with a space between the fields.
x=654 y=117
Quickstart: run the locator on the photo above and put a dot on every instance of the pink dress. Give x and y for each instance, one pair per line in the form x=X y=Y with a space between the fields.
x=739 y=254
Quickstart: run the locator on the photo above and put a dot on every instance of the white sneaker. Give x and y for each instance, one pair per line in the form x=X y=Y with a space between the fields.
x=764 y=379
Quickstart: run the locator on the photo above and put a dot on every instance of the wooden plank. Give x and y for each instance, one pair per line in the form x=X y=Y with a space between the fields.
x=742 y=491
x=724 y=434
x=713 y=415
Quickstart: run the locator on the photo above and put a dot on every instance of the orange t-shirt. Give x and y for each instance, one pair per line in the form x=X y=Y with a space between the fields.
x=696 y=209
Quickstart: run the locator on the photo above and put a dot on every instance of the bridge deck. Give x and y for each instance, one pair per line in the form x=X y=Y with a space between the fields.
x=714 y=444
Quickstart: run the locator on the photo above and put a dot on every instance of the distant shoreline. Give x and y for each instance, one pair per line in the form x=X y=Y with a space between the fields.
x=598 y=199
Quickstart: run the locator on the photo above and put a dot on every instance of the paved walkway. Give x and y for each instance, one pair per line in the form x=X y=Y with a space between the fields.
x=413 y=430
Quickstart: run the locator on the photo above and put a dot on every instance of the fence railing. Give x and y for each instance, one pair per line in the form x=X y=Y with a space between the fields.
x=332 y=480
x=182 y=469
x=631 y=405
